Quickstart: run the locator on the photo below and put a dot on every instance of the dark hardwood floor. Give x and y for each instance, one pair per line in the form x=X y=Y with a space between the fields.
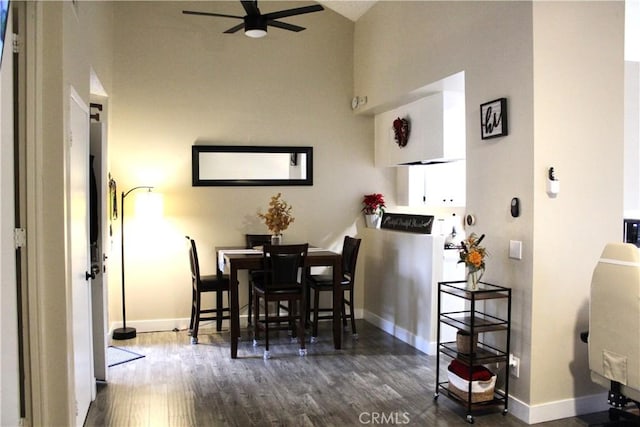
x=376 y=380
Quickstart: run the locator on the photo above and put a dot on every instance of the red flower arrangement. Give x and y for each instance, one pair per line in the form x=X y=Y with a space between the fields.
x=373 y=204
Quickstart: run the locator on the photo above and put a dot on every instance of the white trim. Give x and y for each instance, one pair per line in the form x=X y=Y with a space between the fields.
x=75 y=96
x=33 y=40
x=401 y=333
x=157 y=325
x=181 y=323
x=559 y=409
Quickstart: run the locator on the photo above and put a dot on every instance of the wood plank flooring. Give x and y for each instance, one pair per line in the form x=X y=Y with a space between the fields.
x=376 y=380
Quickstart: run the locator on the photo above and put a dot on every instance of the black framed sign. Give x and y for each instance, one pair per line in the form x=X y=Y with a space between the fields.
x=493 y=118
x=406 y=222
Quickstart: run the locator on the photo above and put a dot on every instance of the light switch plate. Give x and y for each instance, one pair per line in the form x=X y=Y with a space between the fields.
x=515 y=249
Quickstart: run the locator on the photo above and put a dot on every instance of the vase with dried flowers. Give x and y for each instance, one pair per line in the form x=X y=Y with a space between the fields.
x=373 y=209
x=277 y=218
x=473 y=256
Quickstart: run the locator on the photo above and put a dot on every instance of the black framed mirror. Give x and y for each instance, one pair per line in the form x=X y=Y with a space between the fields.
x=250 y=165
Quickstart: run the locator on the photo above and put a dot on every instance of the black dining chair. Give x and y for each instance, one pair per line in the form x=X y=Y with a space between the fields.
x=216 y=283
x=282 y=280
x=324 y=283
x=254 y=241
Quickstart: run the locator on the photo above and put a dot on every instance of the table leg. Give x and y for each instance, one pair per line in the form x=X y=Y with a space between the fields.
x=235 y=310
x=337 y=302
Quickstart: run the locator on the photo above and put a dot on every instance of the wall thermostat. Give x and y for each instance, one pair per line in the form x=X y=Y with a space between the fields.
x=470 y=219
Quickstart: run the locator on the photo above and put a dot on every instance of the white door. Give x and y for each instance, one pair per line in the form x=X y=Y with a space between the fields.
x=9 y=344
x=80 y=256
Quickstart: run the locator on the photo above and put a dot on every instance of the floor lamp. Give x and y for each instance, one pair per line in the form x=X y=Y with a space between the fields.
x=125 y=332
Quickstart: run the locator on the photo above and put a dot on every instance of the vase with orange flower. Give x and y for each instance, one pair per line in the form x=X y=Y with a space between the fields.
x=473 y=256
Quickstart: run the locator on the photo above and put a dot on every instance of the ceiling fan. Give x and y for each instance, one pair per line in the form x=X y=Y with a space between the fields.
x=255 y=23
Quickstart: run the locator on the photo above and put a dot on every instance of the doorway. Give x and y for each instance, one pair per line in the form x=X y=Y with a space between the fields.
x=100 y=235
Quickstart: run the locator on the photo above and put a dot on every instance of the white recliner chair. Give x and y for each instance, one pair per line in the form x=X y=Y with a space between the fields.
x=614 y=325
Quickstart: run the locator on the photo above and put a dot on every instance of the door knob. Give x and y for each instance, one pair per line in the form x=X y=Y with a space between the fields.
x=88 y=275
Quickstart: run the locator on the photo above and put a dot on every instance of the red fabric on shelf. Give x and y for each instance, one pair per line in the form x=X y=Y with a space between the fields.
x=477 y=373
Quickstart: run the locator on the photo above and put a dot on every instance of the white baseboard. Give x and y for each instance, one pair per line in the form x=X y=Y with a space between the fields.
x=401 y=333
x=549 y=411
x=157 y=325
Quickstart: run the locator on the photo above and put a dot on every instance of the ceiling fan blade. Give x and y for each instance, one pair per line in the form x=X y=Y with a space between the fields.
x=192 y=12
x=285 y=26
x=292 y=12
x=234 y=29
x=251 y=7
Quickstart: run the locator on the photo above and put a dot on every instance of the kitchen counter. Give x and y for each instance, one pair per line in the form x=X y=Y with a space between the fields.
x=401 y=274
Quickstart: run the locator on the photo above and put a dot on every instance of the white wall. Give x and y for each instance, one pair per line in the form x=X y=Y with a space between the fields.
x=201 y=86
x=579 y=129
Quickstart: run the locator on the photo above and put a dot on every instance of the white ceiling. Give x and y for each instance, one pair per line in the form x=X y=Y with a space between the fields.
x=352 y=9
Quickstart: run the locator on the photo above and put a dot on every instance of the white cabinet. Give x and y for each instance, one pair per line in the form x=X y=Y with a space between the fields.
x=434 y=185
x=437 y=131
x=444 y=184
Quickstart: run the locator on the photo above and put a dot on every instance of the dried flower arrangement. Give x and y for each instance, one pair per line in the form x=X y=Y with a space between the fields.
x=278 y=216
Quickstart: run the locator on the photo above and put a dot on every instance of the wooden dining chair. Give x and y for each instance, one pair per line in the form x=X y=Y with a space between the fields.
x=282 y=280
x=201 y=284
x=254 y=241
x=324 y=283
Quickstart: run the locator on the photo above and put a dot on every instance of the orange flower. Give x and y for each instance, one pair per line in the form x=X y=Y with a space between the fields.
x=471 y=253
x=475 y=258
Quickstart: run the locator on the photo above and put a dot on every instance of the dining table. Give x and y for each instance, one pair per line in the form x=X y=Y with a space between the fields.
x=233 y=259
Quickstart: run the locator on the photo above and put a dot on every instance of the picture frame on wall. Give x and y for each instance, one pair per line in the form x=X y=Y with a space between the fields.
x=493 y=119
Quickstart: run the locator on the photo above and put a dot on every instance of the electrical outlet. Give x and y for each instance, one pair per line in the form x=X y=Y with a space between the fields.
x=514 y=366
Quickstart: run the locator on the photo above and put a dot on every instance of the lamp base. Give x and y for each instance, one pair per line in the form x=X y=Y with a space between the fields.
x=124 y=333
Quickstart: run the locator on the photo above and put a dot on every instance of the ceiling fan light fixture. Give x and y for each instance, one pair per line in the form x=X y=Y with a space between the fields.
x=255 y=33
x=255 y=27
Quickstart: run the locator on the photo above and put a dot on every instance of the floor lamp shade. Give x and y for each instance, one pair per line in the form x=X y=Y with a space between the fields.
x=149 y=205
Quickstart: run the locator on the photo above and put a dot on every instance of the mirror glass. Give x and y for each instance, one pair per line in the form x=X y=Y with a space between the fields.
x=241 y=165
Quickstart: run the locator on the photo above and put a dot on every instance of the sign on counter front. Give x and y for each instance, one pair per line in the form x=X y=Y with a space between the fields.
x=406 y=222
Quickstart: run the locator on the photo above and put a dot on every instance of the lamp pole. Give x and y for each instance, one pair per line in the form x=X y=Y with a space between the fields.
x=124 y=333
